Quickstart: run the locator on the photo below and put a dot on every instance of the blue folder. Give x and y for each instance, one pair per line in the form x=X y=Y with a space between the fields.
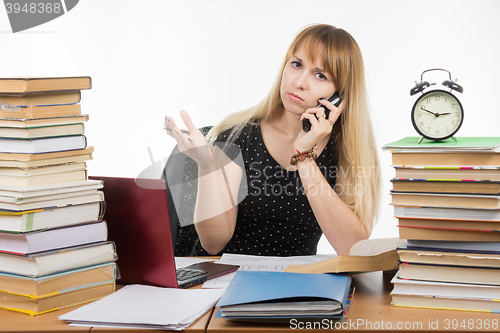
x=256 y=286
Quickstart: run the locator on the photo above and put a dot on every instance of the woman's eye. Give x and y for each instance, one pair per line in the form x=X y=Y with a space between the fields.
x=296 y=64
x=321 y=76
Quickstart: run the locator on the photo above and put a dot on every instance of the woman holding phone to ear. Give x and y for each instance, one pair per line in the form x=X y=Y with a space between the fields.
x=300 y=184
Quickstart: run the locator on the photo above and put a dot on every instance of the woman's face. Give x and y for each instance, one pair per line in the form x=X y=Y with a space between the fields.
x=304 y=83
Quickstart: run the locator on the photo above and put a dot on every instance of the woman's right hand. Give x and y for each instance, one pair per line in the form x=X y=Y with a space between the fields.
x=192 y=143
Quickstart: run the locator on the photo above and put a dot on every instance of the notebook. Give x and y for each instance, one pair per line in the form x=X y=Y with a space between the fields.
x=274 y=296
x=138 y=223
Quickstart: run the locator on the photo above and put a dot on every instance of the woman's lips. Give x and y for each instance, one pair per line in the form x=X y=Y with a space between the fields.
x=295 y=98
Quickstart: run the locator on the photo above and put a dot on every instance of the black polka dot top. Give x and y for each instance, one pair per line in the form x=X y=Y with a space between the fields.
x=274 y=215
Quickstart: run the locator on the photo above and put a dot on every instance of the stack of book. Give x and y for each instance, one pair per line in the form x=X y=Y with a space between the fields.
x=446 y=197
x=54 y=251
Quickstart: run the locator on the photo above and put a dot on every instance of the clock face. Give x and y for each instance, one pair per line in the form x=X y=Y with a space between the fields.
x=437 y=115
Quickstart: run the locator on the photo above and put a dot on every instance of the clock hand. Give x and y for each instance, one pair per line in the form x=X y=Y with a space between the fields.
x=424 y=109
x=442 y=114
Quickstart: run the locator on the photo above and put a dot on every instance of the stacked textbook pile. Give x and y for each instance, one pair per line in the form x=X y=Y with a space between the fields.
x=446 y=196
x=53 y=243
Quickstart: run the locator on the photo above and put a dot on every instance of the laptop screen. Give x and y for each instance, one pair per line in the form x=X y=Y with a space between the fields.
x=138 y=222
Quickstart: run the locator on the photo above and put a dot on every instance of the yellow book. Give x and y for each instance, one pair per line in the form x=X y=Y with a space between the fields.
x=12 y=160
x=52 y=98
x=38 y=306
x=27 y=122
x=42 y=131
x=39 y=111
x=35 y=180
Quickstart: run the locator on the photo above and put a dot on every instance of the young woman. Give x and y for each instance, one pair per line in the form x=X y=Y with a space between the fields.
x=298 y=184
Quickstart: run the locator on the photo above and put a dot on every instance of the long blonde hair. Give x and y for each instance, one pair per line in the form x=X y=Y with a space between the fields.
x=358 y=163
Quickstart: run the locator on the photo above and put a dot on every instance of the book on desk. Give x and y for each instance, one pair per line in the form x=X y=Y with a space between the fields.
x=367 y=255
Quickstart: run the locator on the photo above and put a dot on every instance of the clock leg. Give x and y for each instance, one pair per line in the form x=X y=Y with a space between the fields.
x=420 y=140
x=454 y=139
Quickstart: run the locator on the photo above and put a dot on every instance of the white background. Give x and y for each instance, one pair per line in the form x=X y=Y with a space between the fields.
x=149 y=58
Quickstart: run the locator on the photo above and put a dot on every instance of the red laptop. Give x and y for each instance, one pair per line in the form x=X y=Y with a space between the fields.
x=138 y=222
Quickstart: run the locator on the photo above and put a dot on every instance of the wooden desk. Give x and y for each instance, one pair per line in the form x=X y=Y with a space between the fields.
x=371 y=310
x=11 y=321
x=18 y=322
x=199 y=326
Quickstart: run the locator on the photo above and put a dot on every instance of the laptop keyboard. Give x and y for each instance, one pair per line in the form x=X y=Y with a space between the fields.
x=189 y=273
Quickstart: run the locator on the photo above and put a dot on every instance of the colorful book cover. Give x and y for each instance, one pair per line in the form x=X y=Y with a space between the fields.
x=462 y=143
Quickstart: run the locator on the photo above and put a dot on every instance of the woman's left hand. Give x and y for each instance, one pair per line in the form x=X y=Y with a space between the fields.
x=321 y=125
x=191 y=142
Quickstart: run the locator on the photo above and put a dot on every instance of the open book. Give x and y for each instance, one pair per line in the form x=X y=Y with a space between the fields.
x=378 y=254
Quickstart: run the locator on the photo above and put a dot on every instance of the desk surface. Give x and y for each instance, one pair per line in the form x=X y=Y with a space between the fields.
x=48 y=322
x=371 y=310
x=19 y=322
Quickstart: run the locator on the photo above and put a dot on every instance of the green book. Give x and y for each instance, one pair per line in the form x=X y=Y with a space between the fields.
x=462 y=143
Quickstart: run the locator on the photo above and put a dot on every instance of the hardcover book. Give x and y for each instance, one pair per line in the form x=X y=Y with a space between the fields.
x=44 y=179
x=41 y=111
x=55 y=201
x=27 y=122
x=472 y=158
x=447 y=303
x=57 y=283
x=38 y=193
x=462 y=214
x=450 y=273
x=47 y=218
x=39 y=241
x=451 y=234
x=53 y=98
x=59 y=260
x=456 y=257
x=43 y=84
x=471 y=225
x=462 y=143
x=443 y=289
x=33 y=160
x=446 y=186
x=445 y=200
x=55 y=302
x=43 y=145
x=42 y=131
x=469 y=173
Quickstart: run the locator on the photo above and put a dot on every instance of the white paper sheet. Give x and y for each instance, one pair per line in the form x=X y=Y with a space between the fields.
x=260 y=263
x=265 y=263
x=220 y=282
x=141 y=306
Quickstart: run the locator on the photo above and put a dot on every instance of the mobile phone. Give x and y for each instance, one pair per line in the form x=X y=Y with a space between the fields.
x=334 y=99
